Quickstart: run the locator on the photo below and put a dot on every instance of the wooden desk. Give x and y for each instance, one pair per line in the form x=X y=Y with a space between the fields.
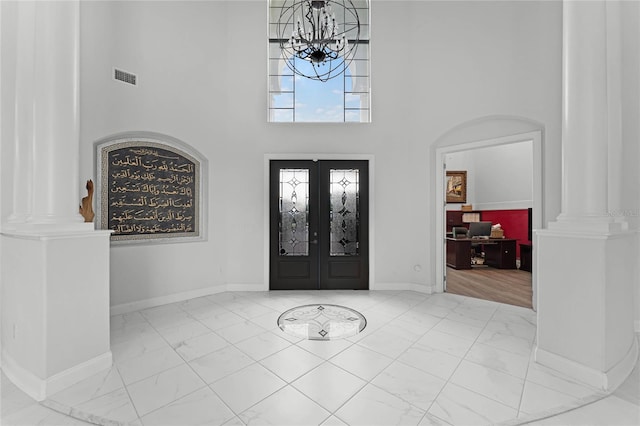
x=499 y=252
x=459 y=253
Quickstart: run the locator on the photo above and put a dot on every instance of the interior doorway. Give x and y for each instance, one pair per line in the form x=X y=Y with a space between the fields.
x=501 y=278
x=318 y=224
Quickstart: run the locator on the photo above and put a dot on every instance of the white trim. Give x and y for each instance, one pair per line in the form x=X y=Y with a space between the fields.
x=24 y=379
x=619 y=372
x=37 y=234
x=604 y=380
x=504 y=205
x=39 y=389
x=73 y=375
x=244 y=287
x=419 y=288
x=538 y=195
x=125 y=308
x=578 y=234
x=368 y=157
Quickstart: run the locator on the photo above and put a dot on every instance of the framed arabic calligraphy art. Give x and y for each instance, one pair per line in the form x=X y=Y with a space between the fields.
x=150 y=189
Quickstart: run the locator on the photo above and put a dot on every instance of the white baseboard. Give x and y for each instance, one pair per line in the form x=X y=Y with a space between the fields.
x=40 y=389
x=73 y=375
x=619 y=372
x=420 y=288
x=24 y=379
x=247 y=287
x=180 y=297
x=125 y=308
x=603 y=380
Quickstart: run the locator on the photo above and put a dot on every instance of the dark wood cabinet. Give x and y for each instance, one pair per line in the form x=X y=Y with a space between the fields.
x=500 y=253
x=459 y=253
x=454 y=218
x=526 y=263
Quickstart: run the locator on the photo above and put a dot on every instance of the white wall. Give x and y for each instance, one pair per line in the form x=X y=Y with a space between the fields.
x=8 y=24
x=463 y=161
x=498 y=177
x=434 y=65
x=630 y=201
x=175 y=50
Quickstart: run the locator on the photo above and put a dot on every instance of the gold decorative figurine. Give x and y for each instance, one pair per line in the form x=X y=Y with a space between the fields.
x=86 y=208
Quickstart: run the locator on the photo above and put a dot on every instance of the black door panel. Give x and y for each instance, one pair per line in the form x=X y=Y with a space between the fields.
x=319 y=224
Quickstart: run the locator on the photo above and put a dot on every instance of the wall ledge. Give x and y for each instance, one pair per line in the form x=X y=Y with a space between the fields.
x=53 y=233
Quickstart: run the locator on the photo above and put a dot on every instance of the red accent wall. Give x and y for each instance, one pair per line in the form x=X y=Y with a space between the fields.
x=515 y=224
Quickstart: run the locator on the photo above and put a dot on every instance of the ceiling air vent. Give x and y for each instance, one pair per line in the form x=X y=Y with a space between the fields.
x=125 y=77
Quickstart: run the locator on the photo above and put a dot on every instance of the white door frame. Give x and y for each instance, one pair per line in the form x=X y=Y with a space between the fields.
x=538 y=213
x=316 y=157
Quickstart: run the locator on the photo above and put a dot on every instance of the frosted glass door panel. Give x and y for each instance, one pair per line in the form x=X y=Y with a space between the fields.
x=294 y=212
x=344 y=220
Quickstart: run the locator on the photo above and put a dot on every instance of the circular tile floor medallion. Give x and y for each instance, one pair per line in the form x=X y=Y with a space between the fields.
x=322 y=322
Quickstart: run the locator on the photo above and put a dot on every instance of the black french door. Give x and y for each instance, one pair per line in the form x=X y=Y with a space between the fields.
x=319 y=225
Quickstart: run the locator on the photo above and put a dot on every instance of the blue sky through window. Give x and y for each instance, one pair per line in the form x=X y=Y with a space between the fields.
x=317 y=101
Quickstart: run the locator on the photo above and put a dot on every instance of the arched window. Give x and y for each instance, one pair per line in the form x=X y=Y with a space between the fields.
x=294 y=98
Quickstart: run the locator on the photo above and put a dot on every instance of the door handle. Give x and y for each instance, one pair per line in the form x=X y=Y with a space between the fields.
x=313 y=241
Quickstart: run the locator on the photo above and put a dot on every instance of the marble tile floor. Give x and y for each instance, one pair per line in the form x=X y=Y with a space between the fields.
x=422 y=359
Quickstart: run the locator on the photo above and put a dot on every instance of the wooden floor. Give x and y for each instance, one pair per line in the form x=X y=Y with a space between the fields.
x=510 y=286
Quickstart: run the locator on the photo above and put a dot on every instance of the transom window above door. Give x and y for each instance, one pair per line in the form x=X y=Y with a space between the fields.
x=319 y=61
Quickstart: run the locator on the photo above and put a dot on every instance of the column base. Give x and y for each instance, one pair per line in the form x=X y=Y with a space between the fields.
x=40 y=389
x=606 y=380
x=585 y=301
x=55 y=306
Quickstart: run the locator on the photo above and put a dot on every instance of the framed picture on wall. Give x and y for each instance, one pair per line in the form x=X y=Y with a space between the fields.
x=150 y=189
x=456 y=186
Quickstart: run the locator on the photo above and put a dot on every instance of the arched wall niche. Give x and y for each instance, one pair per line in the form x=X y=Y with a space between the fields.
x=487 y=128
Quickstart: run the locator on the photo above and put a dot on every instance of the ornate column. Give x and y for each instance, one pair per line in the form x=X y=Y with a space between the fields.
x=582 y=261
x=23 y=114
x=585 y=124
x=55 y=267
x=56 y=115
x=46 y=142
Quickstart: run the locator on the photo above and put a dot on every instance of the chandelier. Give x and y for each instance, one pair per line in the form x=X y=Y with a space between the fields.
x=310 y=30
